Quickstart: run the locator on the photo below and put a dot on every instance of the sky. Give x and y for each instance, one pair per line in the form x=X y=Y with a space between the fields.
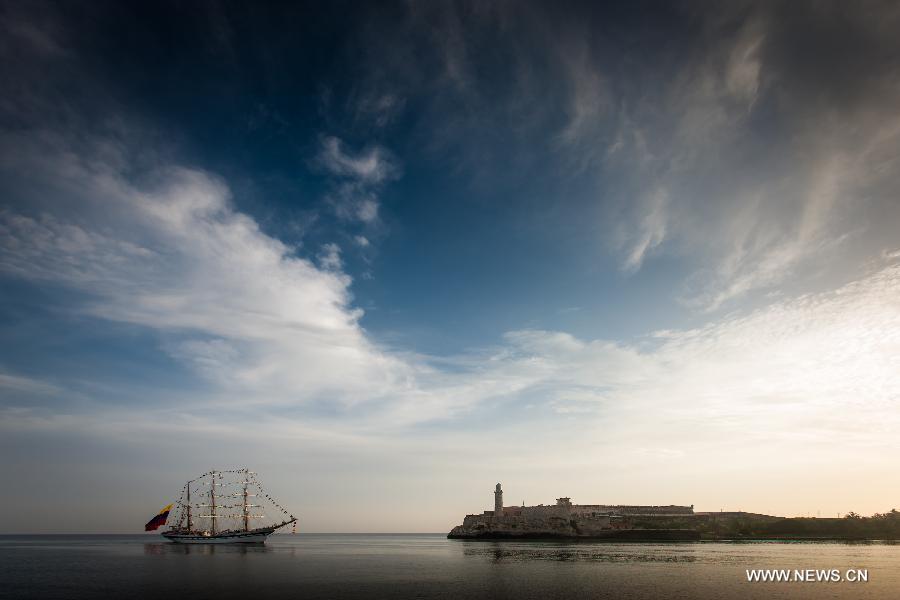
x=387 y=255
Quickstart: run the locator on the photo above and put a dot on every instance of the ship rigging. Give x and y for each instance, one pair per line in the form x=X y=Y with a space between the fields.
x=228 y=514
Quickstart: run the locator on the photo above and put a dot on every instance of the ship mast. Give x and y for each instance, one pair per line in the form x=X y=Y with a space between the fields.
x=189 y=518
x=212 y=503
x=196 y=532
x=246 y=506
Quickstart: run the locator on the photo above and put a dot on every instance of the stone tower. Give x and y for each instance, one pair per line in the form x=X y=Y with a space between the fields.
x=498 y=500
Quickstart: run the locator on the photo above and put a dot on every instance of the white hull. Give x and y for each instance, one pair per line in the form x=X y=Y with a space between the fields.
x=239 y=537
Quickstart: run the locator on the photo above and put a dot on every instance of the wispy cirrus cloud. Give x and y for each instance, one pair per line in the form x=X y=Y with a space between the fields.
x=763 y=175
x=757 y=149
x=359 y=178
x=26 y=385
x=372 y=166
x=379 y=107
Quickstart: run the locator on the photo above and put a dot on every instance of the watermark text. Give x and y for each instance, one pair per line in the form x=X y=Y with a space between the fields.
x=808 y=575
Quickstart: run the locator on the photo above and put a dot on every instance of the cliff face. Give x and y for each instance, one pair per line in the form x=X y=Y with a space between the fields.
x=567 y=521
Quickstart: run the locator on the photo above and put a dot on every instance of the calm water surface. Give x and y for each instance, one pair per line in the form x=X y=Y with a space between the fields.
x=427 y=566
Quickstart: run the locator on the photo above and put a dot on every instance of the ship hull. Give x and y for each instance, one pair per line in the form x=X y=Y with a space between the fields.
x=257 y=536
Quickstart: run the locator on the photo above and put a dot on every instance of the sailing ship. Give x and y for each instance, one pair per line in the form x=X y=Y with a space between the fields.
x=217 y=508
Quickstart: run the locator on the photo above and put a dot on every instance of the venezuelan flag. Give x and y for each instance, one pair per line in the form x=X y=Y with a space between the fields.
x=159 y=520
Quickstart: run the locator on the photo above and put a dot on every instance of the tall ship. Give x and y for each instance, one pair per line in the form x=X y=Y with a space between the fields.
x=223 y=507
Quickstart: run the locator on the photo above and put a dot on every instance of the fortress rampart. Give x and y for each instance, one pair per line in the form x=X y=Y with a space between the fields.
x=565 y=519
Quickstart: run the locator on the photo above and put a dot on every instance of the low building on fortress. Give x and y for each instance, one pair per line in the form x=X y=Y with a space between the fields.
x=565 y=519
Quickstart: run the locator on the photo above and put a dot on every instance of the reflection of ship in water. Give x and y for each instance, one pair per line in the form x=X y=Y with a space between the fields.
x=579 y=521
x=222 y=507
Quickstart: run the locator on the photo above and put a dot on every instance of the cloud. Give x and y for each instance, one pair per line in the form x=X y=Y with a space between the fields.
x=176 y=257
x=359 y=179
x=330 y=257
x=743 y=69
x=589 y=100
x=28 y=385
x=759 y=155
x=787 y=379
x=380 y=108
x=652 y=230
x=799 y=372
x=370 y=167
x=35 y=28
x=771 y=165
x=169 y=251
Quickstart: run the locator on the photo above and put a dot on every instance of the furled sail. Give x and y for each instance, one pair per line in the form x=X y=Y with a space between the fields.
x=226 y=504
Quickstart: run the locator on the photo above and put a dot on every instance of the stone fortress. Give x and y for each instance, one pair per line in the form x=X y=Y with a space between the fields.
x=567 y=520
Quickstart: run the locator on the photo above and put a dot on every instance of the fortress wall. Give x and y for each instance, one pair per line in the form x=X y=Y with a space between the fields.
x=735 y=514
x=590 y=509
x=544 y=511
x=639 y=510
x=546 y=520
x=571 y=520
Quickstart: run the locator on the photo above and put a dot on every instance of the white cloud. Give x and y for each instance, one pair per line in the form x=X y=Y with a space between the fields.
x=360 y=177
x=367 y=210
x=330 y=257
x=265 y=326
x=781 y=383
x=745 y=398
x=651 y=231
x=372 y=166
x=28 y=385
x=178 y=258
x=770 y=165
x=589 y=100
x=742 y=72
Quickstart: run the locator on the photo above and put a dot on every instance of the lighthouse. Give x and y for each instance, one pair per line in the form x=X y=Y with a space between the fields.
x=498 y=500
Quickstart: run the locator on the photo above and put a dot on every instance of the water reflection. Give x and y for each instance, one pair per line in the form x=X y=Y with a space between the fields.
x=163 y=548
x=498 y=552
x=323 y=567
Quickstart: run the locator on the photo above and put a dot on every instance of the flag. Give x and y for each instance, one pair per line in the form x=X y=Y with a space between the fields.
x=159 y=520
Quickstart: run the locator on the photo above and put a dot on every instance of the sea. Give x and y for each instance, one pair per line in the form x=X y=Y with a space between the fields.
x=334 y=566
